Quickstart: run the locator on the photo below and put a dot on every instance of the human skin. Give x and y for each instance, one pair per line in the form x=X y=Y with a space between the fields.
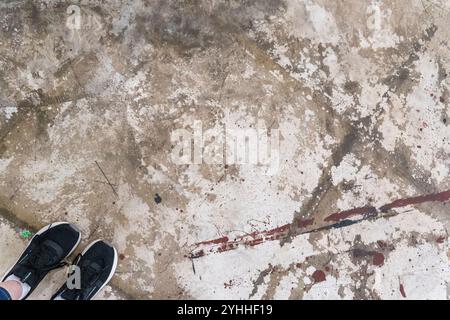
x=13 y=287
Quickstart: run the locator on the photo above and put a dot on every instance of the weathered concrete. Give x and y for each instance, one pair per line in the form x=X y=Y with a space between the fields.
x=358 y=90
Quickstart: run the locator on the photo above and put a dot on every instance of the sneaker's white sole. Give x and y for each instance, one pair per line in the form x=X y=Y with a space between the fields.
x=113 y=269
x=41 y=231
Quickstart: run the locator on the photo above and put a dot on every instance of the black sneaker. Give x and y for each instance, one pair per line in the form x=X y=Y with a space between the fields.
x=46 y=251
x=97 y=264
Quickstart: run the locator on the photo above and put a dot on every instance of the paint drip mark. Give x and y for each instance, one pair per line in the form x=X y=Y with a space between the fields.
x=402 y=291
x=340 y=219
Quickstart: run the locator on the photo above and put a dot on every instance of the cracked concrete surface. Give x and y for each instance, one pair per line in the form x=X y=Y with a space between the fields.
x=359 y=91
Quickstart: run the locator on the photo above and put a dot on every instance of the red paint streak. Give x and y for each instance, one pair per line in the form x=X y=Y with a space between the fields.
x=215 y=241
x=226 y=247
x=378 y=259
x=441 y=197
x=319 y=276
x=257 y=237
x=338 y=216
x=278 y=230
x=402 y=291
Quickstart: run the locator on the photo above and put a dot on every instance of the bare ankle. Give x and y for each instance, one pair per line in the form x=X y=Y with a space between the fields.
x=14 y=288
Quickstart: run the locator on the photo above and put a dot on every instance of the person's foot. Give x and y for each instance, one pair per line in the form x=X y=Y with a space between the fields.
x=46 y=251
x=97 y=264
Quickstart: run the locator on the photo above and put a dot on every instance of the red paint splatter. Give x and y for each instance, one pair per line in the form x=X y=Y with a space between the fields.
x=225 y=247
x=402 y=291
x=441 y=239
x=121 y=256
x=319 y=276
x=378 y=259
x=257 y=237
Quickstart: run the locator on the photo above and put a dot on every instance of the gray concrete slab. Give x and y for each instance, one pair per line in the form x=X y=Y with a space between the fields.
x=354 y=95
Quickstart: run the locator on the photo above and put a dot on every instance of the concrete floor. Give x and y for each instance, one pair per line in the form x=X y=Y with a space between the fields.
x=91 y=94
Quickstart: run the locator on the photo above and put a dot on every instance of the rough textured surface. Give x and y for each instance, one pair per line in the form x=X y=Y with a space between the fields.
x=359 y=91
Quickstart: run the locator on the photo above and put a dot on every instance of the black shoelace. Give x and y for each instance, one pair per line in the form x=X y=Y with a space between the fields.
x=42 y=258
x=89 y=276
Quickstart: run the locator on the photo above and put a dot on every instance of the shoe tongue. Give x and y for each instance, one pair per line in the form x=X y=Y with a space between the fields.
x=49 y=254
x=94 y=267
x=90 y=273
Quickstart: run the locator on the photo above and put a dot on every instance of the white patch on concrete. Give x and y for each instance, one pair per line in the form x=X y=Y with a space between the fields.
x=328 y=289
x=279 y=52
x=4 y=163
x=137 y=211
x=347 y=169
x=378 y=23
x=310 y=20
x=8 y=112
x=249 y=72
x=422 y=270
x=370 y=96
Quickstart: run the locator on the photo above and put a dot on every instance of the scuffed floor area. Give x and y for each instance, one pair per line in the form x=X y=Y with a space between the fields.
x=357 y=206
